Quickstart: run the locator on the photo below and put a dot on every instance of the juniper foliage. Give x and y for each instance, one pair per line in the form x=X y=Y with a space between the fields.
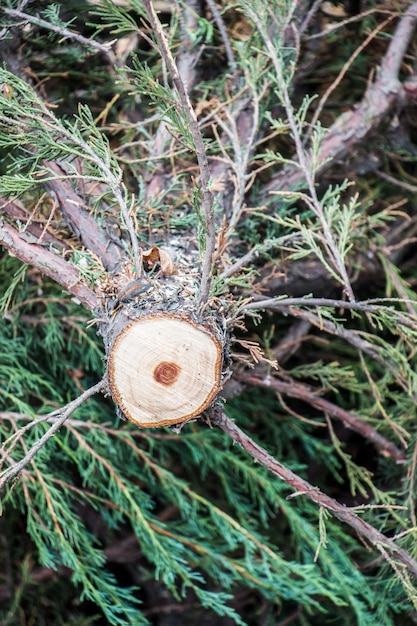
x=116 y=521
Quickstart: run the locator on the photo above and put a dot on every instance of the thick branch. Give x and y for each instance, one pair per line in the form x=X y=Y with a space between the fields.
x=302 y=392
x=48 y=263
x=16 y=211
x=302 y=487
x=81 y=221
x=179 y=370
x=351 y=128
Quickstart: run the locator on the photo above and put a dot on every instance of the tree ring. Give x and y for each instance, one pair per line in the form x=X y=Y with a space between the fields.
x=166 y=373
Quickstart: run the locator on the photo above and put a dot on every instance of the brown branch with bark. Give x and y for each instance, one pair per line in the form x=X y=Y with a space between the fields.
x=105 y=243
x=353 y=127
x=307 y=395
x=303 y=488
x=28 y=250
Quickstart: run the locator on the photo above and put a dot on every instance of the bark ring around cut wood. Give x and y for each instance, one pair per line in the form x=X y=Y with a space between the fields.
x=164 y=369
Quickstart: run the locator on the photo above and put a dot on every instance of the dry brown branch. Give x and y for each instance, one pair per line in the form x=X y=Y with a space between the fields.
x=38 y=256
x=304 y=488
x=306 y=394
x=353 y=127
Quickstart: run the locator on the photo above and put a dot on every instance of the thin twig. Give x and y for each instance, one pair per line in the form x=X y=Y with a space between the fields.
x=11 y=442
x=411 y=486
x=342 y=73
x=237 y=265
x=64 y=32
x=367 y=306
x=223 y=33
x=302 y=487
x=201 y=154
x=66 y=412
x=20 y=7
x=309 y=17
x=296 y=614
x=395 y=181
x=341 y=24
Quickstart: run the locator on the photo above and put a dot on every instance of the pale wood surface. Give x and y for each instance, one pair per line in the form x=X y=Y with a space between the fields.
x=164 y=370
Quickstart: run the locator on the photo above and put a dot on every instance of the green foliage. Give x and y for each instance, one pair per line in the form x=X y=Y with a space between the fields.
x=117 y=19
x=27 y=123
x=222 y=535
x=204 y=525
x=144 y=83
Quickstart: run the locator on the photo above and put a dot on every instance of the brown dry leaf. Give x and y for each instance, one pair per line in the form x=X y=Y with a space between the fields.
x=204 y=105
x=157 y=255
x=125 y=45
x=335 y=10
x=222 y=238
x=256 y=352
x=218 y=183
x=167 y=264
x=151 y=255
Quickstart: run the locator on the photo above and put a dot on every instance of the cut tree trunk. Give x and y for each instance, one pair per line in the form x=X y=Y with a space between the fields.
x=164 y=369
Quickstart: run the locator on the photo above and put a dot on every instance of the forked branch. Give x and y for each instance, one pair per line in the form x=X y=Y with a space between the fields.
x=66 y=411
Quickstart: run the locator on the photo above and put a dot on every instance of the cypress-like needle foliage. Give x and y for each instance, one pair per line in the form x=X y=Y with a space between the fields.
x=313 y=278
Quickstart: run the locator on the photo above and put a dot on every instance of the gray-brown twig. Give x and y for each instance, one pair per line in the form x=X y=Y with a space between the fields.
x=16 y=468
x=201 y=154
x=380 y=541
